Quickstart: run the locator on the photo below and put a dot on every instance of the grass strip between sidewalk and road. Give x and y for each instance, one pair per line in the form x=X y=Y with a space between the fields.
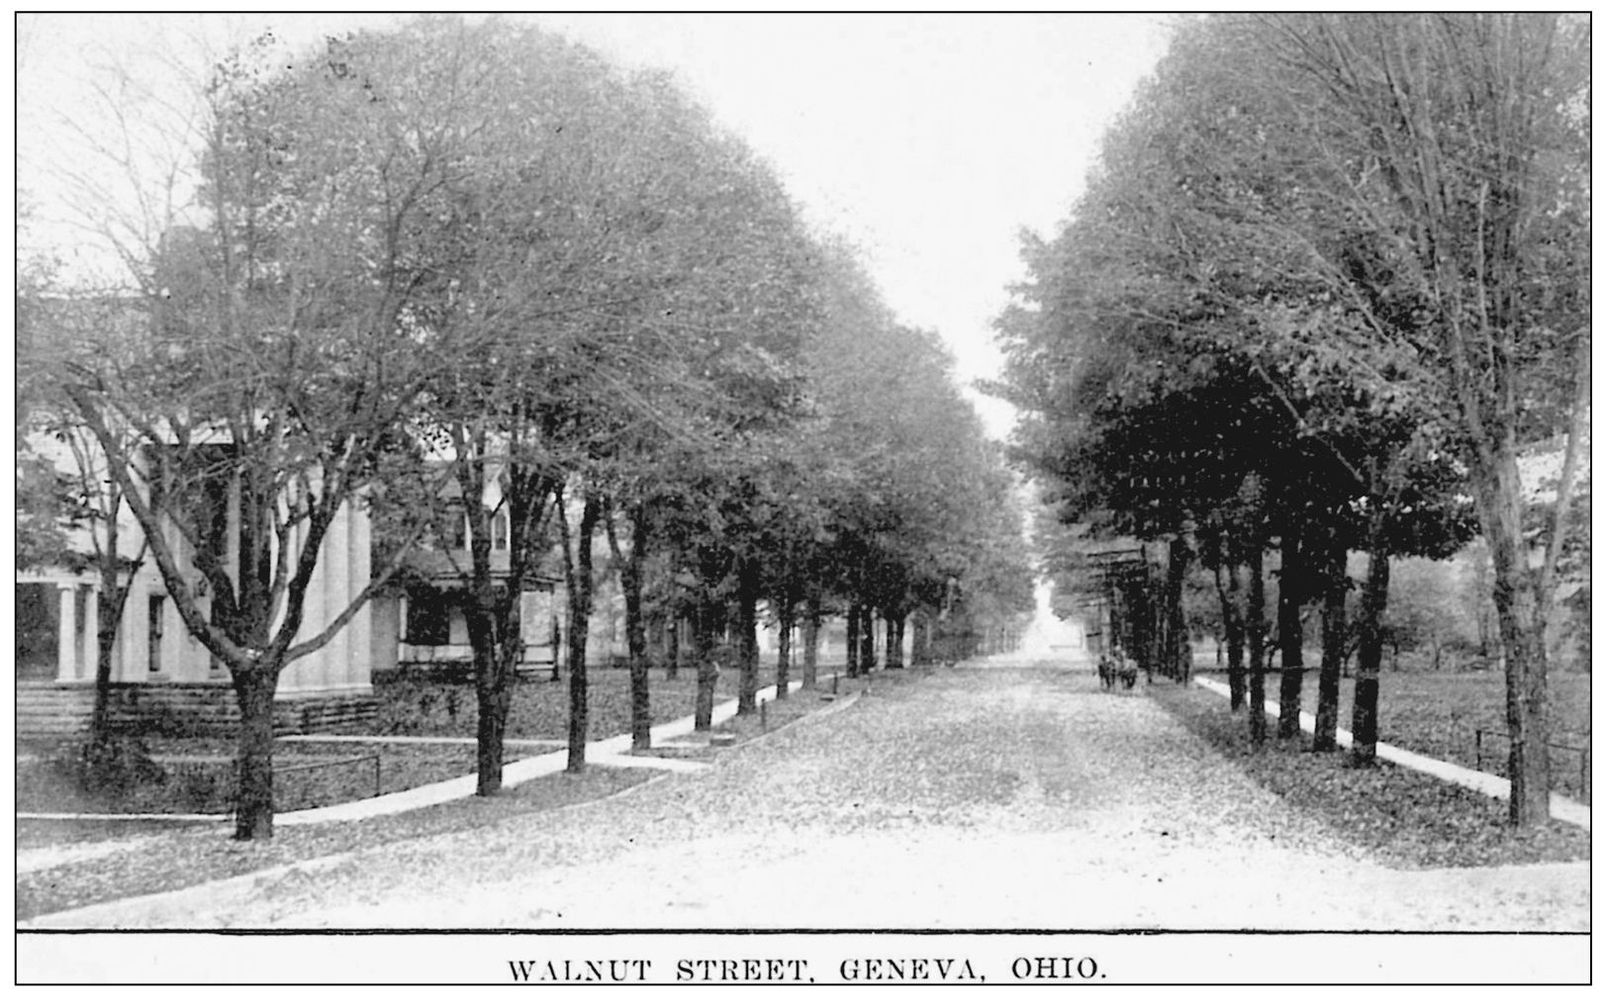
x=1405 y=818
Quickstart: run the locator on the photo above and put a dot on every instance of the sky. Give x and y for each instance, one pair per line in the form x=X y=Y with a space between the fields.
x=929 y=141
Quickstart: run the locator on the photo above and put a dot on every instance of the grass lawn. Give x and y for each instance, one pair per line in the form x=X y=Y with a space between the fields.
x=100 y=863
x=1407 y=818
x=1439 y=713
x=71 y=863
x=196 y=774
x=540 y=708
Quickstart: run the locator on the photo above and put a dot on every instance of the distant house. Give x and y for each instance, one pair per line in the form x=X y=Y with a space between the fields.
x=164 y=679
x=419 y=623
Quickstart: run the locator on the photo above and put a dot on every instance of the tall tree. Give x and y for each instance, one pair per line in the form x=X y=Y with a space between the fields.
x=1453 y=150
x=609 y=255
x=269 y=361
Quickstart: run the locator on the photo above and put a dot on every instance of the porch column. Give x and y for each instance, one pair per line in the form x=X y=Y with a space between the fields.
x=66 y=664
x=123 y=661
x=305 y=671
x=91 y=633
x=359 y=664
x=335 y=565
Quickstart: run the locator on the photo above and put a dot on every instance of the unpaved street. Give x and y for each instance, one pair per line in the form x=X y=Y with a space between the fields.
x=1007 y=796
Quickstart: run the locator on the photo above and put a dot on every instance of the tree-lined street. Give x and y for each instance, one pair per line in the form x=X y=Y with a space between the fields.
x=395 y=388
x=469 y=292
x=1325 y=294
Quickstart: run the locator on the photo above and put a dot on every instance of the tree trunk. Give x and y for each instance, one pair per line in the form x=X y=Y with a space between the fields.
x=1179 y=655
x=1518 y=609
x=490 y=681
x=895 y=641
x=673 y=628
x=253 y=806
x=920 y=650
x=1374 y=602
x=105 y=641
x=486 y=618
x=1255 y=624
x=499 y=603
x=707 y=668
x=853 y=639
x=811 y=643
x=747 y=639
x=1142 y=618
x=109 y=613
x=1333 y=639
x=635 y=624
x=492 y=698
x=640 y=696
x=490 y=689
x=786 y=619
x=579 y=629
x=1291 y=635
x=1232 y=621
x=866 y=639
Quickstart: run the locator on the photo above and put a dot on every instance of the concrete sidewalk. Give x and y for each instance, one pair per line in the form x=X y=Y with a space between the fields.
x=1561 y=808
x=603 y=752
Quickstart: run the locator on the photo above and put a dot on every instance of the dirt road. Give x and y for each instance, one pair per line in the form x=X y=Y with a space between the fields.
x=1008 y=796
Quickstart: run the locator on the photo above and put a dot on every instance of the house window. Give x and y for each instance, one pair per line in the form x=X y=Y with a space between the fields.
x=499 y=529
x=429 y=618
x=156 y=611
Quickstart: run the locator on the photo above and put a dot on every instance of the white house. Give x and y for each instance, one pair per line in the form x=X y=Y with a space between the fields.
x=163 y=678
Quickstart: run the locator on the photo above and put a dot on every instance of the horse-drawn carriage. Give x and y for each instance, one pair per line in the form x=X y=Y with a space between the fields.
x=1117 y=668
